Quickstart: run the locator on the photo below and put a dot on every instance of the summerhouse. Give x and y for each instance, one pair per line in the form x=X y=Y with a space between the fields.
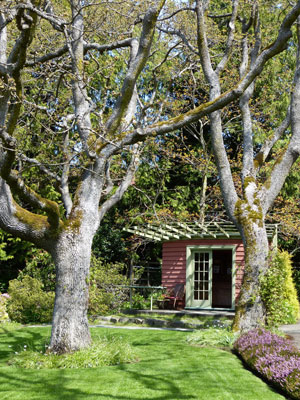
x=207 y=258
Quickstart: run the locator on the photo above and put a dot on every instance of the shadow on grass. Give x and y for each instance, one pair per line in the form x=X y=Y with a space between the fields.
x=168 y=371
x=17 y=383
x=61 y=385
x=12 y=341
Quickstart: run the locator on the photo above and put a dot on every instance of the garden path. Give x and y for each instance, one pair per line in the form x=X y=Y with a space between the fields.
x=293 y=331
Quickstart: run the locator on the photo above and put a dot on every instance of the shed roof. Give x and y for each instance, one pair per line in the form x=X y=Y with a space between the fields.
x=161 y=232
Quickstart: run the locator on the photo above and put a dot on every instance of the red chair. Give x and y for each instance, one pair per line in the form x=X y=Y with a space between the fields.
x=176 y=294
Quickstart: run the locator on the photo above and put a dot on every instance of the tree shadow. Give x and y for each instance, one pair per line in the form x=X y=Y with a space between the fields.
x=153 y=378
x=58 y=386
x=15 y=341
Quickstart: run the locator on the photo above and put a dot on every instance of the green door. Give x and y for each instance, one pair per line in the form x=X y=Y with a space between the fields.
x=199 y=279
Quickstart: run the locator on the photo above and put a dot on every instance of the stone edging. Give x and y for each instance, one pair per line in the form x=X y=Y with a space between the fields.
x=155 y=322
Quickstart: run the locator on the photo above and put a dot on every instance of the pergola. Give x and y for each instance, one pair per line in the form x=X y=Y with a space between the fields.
x=160 y=231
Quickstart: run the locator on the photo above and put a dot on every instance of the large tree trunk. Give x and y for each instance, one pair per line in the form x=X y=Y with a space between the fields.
x=70 y=330
x=251 y=312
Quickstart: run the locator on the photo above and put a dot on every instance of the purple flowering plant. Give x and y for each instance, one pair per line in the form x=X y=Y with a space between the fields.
x=274 y=357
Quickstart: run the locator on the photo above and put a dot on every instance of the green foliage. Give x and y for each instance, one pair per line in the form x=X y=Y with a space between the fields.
x=109 y=243
x=296 y=278
x=106 y=350
x=3 y=254
x=39 y=265
x=170 y=179
x=32 y=293
x=3 y=310
x=28 y=302
x=278 y=291
x=13 y=258
x=138 y=302
x=8 y=326
x=212 y=337
x=106 y=287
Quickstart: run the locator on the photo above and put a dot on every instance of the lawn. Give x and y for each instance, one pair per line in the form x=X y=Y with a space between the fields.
x=169 y=368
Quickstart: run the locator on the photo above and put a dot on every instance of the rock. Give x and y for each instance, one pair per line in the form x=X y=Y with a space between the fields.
x=138 y=321
x=125 y=320
x=177 y=324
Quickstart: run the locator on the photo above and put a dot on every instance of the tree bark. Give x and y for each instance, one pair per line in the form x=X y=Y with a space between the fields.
x=250 y=311
x=70 y=330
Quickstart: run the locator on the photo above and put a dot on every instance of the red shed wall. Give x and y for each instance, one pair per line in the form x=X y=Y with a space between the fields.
x=174 y=260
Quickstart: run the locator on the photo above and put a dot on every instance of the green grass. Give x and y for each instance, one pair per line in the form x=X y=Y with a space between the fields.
x=104 y=351
x=169 y=369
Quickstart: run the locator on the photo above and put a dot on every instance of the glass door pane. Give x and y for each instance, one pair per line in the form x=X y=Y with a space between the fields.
x=202 y=279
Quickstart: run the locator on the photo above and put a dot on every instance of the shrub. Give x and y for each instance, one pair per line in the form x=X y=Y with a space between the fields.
x=3 y=310
x=107 y=291
x=39 y=265
x=106 y=287
x=212 y=337
x=28 y=302
x=278 y=291
x=274 y=357
x=296 y=278
x=138 y=302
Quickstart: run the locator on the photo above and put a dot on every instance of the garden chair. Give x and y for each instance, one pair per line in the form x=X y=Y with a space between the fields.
x=177 y=294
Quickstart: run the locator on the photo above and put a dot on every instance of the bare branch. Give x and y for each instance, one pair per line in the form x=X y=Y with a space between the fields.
x=26 y=194
x=64 y=182
x=18 y=186
x=175 y=13
x=248 y=152
x=269 y=143
x=126 y=182
x=80 y=97
x=203 y=49
x=181 y=35
x=20 y=222
x=57 y=22
x=166 y=56
x=285 y=161
x=194 y=115
x=215 y=16
x=135 y=69
x=109 y=182
x=40 y=166
x=230 y=38
x=87 y=46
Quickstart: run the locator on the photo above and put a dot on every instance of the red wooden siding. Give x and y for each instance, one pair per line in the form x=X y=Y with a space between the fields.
x=174 y=260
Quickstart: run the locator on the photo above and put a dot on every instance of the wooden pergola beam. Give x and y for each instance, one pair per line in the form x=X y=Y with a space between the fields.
x=204 y=228
x=180 y=233
x=187 y=228
x=160 y=232
x=167 y=234
x=144 y=234
x=221 y=229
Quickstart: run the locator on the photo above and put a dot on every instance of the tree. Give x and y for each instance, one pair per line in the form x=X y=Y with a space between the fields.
x=71 y=118
x=83 y=158
x=248 y=210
